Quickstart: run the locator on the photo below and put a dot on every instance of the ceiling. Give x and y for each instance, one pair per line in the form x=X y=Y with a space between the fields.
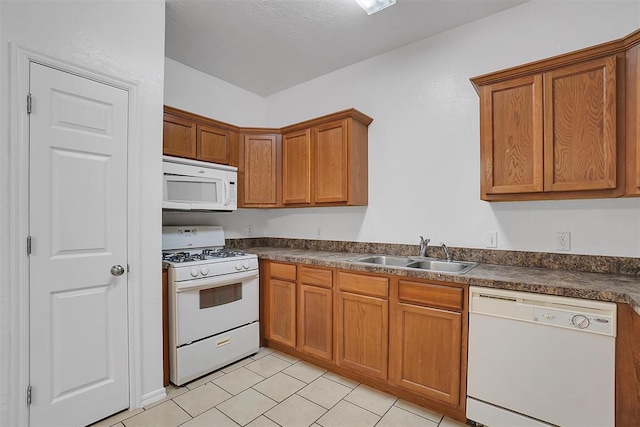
x=265 y=46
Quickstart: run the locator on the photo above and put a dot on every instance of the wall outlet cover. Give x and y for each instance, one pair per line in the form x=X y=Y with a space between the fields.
x=492 y=239
x=563 y=241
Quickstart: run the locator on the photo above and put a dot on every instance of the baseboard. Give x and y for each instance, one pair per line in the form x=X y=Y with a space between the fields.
x=154 y=396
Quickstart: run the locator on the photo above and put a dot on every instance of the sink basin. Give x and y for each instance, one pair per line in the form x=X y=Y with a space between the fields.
x=419 y=263
x=457 y=267
x=398 y=261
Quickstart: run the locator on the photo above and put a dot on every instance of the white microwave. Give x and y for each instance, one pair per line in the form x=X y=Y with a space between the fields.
x=191 y=185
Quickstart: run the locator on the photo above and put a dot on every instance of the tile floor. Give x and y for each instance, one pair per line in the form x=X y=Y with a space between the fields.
x=273 y=389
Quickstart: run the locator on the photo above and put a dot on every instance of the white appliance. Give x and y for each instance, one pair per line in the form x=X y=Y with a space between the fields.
x=540 y=360
x=213 y=301
x=198 y=186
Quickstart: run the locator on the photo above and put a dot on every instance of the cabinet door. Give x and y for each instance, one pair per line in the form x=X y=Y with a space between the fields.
x=331 y=159
x=213 y=144
x=511 y=136
x=260 y=169
x=633 y=121
x=296 y=167
x=179 y=137
x=580 y=126
x=363 y=334
x=282 y=312
x=315 y=321
x=425 y=357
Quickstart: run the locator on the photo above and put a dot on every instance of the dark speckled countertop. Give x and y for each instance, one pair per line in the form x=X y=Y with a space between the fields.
x=576 y=284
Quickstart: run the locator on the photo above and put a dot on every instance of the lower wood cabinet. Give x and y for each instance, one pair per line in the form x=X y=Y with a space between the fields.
x=315 y=312
x=363 y=333
x=406 y=337
x=281 y=303
x=426 y=352
x=362 y=321
x=428 y=340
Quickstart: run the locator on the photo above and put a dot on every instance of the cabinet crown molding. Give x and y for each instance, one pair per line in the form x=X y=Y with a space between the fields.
x=592 y=52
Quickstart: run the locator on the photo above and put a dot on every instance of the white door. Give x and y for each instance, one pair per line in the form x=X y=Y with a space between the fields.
x=78 y=223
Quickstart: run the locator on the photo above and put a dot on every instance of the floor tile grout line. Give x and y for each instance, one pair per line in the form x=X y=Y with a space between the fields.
x=414 y=413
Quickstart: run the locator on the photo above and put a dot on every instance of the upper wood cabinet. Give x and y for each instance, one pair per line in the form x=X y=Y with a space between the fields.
x=552 y=134
x=580 y=126
x=564 y=127
x=511 y=154
x=259 y=170
x=319 y=162
x=325 y=161
x=296 y=167
x=179 y=136
x=213 y=144
x=633 y=121
x=196 y=137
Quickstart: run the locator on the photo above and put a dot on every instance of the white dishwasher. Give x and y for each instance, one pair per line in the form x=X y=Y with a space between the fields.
x=540 y=360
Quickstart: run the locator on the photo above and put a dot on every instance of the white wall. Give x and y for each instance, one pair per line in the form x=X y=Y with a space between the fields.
x=124 y=39
x=192 y=90
x=424 y=140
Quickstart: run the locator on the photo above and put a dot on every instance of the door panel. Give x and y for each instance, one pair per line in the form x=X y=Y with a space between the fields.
x=77 y=220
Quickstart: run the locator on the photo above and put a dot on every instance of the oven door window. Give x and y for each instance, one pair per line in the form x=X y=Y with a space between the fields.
x=215 y=297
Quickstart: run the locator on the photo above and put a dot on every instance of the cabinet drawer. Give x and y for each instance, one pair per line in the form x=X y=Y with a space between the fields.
x=283 y=271
x=361 y=284
x=430 y=294
x=316 y=277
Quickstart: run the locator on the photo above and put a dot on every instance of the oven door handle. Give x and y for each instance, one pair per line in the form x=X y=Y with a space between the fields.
x=216 y=281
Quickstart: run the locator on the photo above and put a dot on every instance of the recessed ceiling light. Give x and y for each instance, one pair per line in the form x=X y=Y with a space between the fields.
x=373 y=6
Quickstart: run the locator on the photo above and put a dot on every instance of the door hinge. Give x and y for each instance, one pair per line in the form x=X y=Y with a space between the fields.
x=29 y=395
x=29 y=99
x=28 y=245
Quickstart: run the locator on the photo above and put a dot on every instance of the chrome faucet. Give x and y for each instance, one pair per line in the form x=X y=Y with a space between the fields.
x=446 y=251
x=423 y=246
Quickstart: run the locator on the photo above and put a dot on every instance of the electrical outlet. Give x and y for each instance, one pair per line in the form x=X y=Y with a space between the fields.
x=563 y=241
x=249 y=230
x=318 y=231
x=492 y=239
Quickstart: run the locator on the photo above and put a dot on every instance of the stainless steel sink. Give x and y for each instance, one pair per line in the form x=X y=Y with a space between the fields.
x=398 y=261
x=419 y=263
x=458 y=267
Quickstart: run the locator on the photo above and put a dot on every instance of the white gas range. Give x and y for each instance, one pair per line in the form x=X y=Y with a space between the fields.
x=213 y=301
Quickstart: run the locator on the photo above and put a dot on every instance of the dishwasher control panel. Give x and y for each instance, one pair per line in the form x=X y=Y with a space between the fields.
x=600 y=323
x=596 y=317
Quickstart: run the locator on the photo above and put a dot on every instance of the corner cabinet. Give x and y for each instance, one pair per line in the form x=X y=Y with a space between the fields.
x=325 y=161
x=319 y=162
x=259 y=170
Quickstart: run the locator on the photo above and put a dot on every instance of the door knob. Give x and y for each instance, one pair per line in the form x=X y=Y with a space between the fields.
x=117 y=270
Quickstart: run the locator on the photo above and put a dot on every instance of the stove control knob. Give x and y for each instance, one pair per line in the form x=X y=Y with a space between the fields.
x=238 y=266
x=580 y=321
x=194 y=271
x=204 y=271
x=245 y=265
